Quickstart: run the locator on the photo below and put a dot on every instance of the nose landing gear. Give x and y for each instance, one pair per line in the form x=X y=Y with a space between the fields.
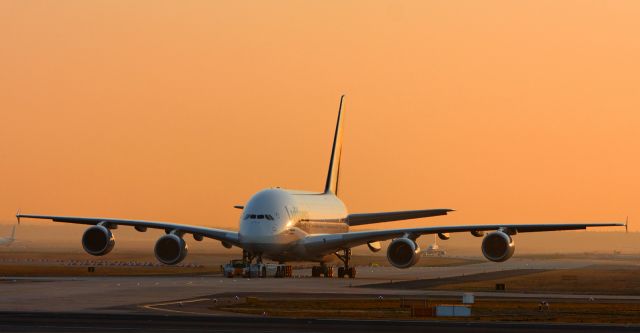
x=247 y=269
x=247 y=257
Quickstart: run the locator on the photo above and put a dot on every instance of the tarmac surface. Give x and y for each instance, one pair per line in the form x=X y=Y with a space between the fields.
x=68 y=304
x=81 y=322
x=107 y=294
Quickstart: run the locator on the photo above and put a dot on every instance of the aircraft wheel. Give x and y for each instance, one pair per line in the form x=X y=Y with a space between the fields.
x=341 y=272
x=328 y=271
x=352 y=272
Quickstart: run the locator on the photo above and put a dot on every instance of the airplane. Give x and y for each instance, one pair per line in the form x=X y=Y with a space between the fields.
x=7 y=241
x=291 y=225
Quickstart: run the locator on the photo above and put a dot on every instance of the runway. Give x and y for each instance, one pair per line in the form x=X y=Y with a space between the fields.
x=117 y=304
x=11 y=322
x=109 y=294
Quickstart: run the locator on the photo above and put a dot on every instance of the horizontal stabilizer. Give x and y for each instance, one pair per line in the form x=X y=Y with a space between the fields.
x=368 y=218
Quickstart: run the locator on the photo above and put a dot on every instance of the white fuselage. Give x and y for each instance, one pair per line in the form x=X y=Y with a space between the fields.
x=275 y=220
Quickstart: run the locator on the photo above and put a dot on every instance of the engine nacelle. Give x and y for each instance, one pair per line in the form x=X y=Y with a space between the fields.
x=170 y=249
x=403 y=253
x=444 y=235
x=374 y=247
x=98 y=240
x=498 y=246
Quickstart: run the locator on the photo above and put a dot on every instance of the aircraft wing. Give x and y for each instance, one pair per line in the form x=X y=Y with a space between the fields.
x=328 y=243
x=227 y=236
x=368 y=218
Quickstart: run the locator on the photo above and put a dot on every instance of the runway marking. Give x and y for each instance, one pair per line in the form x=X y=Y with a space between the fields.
x=153 y=306
x=220 y=313
x=176 y=302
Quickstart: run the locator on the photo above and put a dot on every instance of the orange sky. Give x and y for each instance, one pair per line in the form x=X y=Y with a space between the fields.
x=508 y=111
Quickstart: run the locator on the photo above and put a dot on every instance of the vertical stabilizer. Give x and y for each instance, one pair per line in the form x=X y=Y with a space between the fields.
x=334 y=164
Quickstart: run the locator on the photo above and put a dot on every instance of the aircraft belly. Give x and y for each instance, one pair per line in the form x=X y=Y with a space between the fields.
x=270 y=246
x=312 y=227
x=285 y=247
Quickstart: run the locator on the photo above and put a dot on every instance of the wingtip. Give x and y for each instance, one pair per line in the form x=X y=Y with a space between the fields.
x=626 y=225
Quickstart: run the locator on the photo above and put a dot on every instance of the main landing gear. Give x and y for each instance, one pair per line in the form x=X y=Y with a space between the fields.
x=327 y=271
x=346 y=270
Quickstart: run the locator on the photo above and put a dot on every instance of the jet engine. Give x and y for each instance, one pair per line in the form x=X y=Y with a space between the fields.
x=498 y=246
x=98 y=240
x=403 y=253
x=170 y=249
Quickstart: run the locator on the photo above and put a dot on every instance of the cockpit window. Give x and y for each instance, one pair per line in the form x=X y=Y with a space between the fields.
x=259 y=217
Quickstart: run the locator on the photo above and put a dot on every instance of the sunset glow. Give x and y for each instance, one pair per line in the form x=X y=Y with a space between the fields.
x=508 y=112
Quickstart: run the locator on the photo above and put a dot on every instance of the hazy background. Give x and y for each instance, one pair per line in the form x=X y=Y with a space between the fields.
x=508 y=112
x=42 y=238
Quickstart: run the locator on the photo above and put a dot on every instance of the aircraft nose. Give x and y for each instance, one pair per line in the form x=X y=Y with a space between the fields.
x=254 y=231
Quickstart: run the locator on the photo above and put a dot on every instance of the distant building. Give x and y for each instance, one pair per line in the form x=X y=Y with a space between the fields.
x=434 y=250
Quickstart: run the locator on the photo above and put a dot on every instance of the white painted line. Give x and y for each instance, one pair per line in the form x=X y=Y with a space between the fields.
x=153 y=307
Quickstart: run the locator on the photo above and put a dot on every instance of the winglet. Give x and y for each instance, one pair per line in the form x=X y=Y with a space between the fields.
x=626 y=225
x=18 y=215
